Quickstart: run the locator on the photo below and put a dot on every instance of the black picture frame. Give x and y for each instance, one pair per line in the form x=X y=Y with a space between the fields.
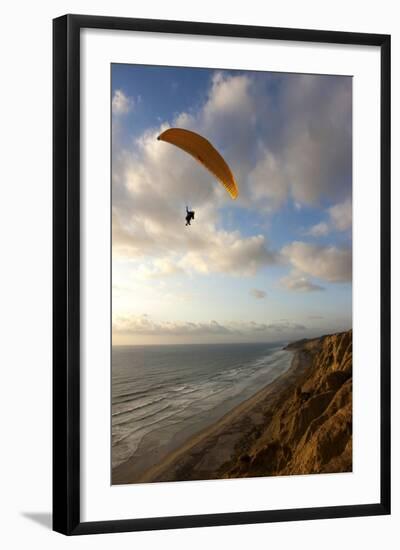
x=66 y=273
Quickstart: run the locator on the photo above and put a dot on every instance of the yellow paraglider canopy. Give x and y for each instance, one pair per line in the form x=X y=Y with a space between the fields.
x=202 y=150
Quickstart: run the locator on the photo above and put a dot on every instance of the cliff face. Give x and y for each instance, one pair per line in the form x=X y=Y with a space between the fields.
x=310 y=427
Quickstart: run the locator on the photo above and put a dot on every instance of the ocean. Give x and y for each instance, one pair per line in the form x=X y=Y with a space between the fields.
x=162 y=395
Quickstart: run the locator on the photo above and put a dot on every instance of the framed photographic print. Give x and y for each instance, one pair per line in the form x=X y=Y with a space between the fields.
x=221 y=274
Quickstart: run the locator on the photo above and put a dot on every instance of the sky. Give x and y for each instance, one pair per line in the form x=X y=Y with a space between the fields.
x=273 y=265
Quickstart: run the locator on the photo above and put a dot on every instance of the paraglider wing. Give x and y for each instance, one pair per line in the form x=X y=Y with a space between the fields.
x=202 y=150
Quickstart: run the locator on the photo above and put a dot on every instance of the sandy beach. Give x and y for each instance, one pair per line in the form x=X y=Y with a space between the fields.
x=203 y=455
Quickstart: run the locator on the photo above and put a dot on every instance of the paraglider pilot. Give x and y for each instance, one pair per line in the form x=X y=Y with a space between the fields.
x=189 y=216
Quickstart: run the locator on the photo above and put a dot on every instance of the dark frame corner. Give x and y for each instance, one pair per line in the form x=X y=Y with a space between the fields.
x=66 y=273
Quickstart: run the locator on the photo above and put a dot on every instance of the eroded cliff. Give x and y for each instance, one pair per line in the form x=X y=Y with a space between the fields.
x=309 y=428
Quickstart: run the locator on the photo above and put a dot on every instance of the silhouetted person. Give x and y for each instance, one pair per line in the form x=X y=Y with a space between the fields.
x=189 y=216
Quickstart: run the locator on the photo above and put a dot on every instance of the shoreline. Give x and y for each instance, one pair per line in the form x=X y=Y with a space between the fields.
x=202 y=455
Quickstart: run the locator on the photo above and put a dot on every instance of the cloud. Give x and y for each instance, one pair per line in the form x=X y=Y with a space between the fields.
x=328 y=263
x=121 y=103
x=229 y=96
x=160 y=268
x=307 y=155
x=318 y=148
x=340 y=220
x=258 y=294
x=341 y=215
x=299 y=283
x=284 y=326
x=268 y=182
x=145 y=326
x=318 y=230
x=229 y=253
x=277 y=326
x=210 y=250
